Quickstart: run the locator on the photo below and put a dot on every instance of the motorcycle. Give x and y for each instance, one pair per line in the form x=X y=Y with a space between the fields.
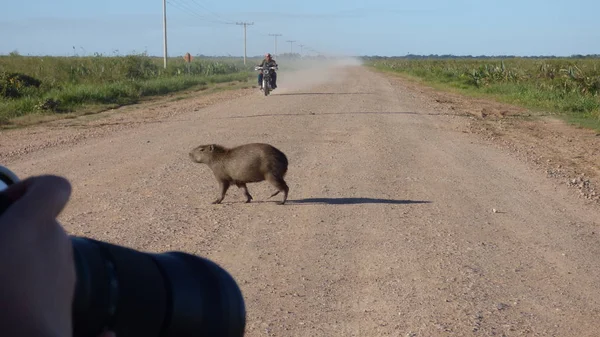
x=266 y=80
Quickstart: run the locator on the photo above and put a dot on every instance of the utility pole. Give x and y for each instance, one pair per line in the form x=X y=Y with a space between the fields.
x=244 y=24
x=165 y=31
x=275 y=35
x=291 y=43
x=301 y=45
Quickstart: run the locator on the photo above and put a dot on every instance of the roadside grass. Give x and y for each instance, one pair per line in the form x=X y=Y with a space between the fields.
x=568 y=88
x=93 y=110
x=44 y=86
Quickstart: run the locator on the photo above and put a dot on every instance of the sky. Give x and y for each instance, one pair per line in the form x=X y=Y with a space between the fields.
x=354 y=28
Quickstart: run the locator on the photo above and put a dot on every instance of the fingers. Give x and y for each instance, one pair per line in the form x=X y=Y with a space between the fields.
x=37 y=198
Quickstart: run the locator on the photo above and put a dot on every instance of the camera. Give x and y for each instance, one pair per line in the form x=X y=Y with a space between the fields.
x=139 y=294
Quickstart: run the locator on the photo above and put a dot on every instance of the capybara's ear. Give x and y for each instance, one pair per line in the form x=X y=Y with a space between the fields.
x=211 y=148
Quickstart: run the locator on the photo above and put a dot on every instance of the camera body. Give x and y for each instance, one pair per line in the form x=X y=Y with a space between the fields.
x=133 y=293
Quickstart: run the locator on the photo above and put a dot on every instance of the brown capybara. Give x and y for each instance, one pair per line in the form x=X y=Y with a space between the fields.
x=248 y=163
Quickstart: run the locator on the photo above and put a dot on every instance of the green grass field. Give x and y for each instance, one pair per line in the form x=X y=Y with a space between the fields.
x=55 y=85
x=567 y=87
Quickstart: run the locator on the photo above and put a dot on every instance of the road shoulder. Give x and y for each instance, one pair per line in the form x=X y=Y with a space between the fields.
x=69 y=131
x=565 y=153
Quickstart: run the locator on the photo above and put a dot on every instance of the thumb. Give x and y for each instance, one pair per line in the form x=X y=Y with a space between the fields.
x=37 y=198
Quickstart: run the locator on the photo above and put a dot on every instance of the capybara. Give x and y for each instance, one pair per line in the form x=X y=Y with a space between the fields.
x=248 y=163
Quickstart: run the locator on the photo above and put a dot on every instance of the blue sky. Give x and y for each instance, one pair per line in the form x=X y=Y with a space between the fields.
x=375 y=27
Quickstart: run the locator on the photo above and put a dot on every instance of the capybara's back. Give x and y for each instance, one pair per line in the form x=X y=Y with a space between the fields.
x=248 y=163
x=252 y=162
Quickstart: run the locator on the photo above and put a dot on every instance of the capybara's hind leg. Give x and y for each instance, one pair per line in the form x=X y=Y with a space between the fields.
x=280 y=184
x=246 y=193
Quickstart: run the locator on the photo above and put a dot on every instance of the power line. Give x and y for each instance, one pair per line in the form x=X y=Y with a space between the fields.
x=165 y=32
x=291 y=43
x=275 y=35
x=185 y=9
x=244 y=24
x=188 y=9
x=213 y=13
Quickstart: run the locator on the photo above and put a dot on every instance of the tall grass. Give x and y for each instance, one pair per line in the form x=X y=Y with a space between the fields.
x=567 y=86
x=64 y=84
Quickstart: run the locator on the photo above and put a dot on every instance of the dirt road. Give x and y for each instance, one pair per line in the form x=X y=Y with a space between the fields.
x=390 y=228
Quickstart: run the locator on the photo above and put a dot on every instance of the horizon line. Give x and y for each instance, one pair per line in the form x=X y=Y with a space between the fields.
x=318 y=54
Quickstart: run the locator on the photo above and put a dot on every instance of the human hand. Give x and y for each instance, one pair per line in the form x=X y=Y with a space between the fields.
x=37 y=272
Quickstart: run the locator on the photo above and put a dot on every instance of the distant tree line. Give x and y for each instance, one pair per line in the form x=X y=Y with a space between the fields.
x=449 y=56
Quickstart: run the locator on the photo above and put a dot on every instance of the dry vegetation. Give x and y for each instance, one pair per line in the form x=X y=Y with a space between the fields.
x=50 y=85
x=569 y=87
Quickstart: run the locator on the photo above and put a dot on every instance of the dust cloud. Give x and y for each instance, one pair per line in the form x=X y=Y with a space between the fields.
x=302 y=74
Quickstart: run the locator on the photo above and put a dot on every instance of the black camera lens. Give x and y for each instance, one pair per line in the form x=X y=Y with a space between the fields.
x=7 y=178
x=171 y=294
x=137 y=294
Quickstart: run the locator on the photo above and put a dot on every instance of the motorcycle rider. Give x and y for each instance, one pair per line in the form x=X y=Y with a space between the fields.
x=268 y=62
